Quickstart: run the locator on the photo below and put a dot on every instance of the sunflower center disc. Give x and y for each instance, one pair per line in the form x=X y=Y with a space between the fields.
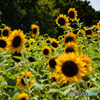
x=22 y=81
x=69 y=69
x=52 y=63
x=16 y=54
x=5 y=32
x=2 y=43
x=34 y=31
x=31 y=59
x=69 y=49
x=55 y=45
x=53 y=78
x=88 y=32
x=61 y=21
x=69 y=39
x=23 y=98
x=48 y=41
x=71 y=14
x=16 y=41
x=46 y=51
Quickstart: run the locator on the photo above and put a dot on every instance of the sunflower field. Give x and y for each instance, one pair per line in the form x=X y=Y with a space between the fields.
x=38 y=67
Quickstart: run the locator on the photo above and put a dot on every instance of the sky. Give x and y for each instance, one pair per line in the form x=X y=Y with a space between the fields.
x=95 y=4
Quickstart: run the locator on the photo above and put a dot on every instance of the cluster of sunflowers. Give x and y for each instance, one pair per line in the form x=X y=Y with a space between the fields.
x=64 y=60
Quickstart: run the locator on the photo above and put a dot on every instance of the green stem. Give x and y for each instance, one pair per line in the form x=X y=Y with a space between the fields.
x=26 y=80
x=83 y=37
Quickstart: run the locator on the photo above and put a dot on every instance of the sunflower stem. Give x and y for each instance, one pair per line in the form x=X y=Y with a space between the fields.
x=82 y=36
x=26 y=80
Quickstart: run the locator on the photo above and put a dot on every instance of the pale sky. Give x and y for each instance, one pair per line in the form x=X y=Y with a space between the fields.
x=95 y=4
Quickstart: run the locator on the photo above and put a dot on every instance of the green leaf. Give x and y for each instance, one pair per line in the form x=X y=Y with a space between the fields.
x=17 y=57
x=36 y=85
x=94 y=59
x=4 y=83
x=53 y=90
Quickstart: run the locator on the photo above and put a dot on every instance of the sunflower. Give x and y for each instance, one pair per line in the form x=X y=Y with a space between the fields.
x=71 y=67
x=89 y=33
x=31 y=59
x=71 y=47
x=98 y=25
x=72 y=13
x=31 y=41
x=27 y=44
x=21 y=80
x=94 y=28
x=46 y=51
x=46 y=35
x=69 y=38
x=23 y=96
x=3 y=43
x=53 y=80
x=80 y=32
x=52 y=63
x=87 y=60
x=27 y=36
x=60 y=38
x=34 y=30
x=69 y=28
x=55 y=43
x=84 y=27
x=83 y=47
x=48 y=40
x=62 y=20
x=6 y=31
x=16 y=41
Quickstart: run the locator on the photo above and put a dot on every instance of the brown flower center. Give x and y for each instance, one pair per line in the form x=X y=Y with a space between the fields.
x=69 y=69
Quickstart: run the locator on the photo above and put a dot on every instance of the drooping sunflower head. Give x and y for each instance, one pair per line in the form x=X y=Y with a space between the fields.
x=6 y=31
x=70 y=37
x=71 y=67
x=46 y=51
x=89 y=33
x=3 y=43
x=21 y=80
x=62 y=20
x=34 y=30
x=15 y=55
x=16 y=41
x=71 y=47
x=55 y=43
x=87 y=60
x=23 y=96
x=72 y=14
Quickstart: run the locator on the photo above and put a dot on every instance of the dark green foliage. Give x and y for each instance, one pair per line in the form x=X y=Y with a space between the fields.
x=20 y=14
